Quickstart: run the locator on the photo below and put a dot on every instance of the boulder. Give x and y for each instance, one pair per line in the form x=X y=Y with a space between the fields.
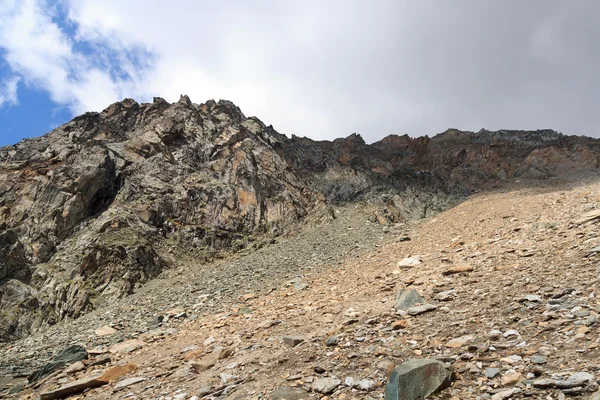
x=417 y=379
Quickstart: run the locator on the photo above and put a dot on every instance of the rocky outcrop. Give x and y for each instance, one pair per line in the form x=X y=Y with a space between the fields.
x=100 y=204
x=106 y=202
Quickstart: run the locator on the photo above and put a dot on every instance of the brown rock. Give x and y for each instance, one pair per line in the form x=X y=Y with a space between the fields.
x=457 y=270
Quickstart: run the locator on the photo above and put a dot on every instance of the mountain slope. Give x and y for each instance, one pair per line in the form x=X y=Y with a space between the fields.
x=108 y=201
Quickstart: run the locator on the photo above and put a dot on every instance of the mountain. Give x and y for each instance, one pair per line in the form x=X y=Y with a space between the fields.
x=103 y=204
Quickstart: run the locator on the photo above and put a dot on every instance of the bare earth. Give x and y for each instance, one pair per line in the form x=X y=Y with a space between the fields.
x=512 y=261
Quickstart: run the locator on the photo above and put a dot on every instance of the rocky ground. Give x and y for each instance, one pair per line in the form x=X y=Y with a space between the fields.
x=508 y=280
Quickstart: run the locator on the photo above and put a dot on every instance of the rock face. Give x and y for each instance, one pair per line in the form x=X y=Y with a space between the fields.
x=90 y=210
x=106 y=202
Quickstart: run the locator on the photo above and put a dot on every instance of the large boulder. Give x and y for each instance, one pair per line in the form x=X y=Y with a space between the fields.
x=417 y=379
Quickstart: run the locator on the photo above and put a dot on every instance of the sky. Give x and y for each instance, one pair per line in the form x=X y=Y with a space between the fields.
x=322 y=69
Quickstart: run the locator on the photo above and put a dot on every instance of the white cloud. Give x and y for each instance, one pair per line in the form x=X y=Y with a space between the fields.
x=8 y=91
x=322 y=68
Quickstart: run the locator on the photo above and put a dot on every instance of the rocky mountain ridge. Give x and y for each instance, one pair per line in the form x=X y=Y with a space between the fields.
x=106 y=202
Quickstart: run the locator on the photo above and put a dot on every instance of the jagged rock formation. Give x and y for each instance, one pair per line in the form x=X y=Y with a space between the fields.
x=107 y=201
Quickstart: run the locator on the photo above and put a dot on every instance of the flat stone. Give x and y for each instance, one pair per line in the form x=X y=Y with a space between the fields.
x=77 y=386
x=421 y=309
x=409 y=262
x=128 y=382
x=539 y=360
x=577 y=379
x=457 y=270
x=459 y=342
x=326 y=385
x=491 y=372
x=126 y=347
x=288 y=393
x=332 y=341
x=506 y=394
x=543 y=383
x=105 y=331
x=415 y=379
x=407 y=299
x=75 y=367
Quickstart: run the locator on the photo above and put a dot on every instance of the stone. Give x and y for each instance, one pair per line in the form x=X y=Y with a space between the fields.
x=409 y=262
x=189 y=348
x=446 y=295
x=494 y=334
x=407 y=299
x=491 y=372
x=288 y=393
x=105 y=331
x=416 y=378
x=326 y=385
x=400 y=324
x=126 y=347
x=543 y=383
x=506 y=394
x=539 y=360
x=128 y=382
x=75 y=367
x=68 y=356
x=332 y=341
x=219 y=353
x=511 y=334
x=365 y=384
x=510 y=378
x=457 y=270
x=416 y=310
x=459 y=342
x=576 y=379
x=595 y=396
x=589 y=216
x=77 y=386
x=292 y=341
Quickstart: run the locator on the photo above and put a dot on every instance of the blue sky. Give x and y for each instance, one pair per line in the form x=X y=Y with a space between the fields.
x=309 y=67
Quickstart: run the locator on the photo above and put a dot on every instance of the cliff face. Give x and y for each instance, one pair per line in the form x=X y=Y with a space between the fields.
x=107 y=201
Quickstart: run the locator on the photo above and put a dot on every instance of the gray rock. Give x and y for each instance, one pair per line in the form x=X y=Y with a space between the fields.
x=292 y=341
x=288 y=393
x=421 y=309
x=68 y=356
x=415 y=379
x=332 y=341
x=326 y=385
x=577 y=379
x=407 y=299
x=491 y=372
x=539 y=360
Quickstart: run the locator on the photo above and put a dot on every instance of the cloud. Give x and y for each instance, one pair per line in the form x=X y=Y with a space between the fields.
x=8 y=91
x=322 y=69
